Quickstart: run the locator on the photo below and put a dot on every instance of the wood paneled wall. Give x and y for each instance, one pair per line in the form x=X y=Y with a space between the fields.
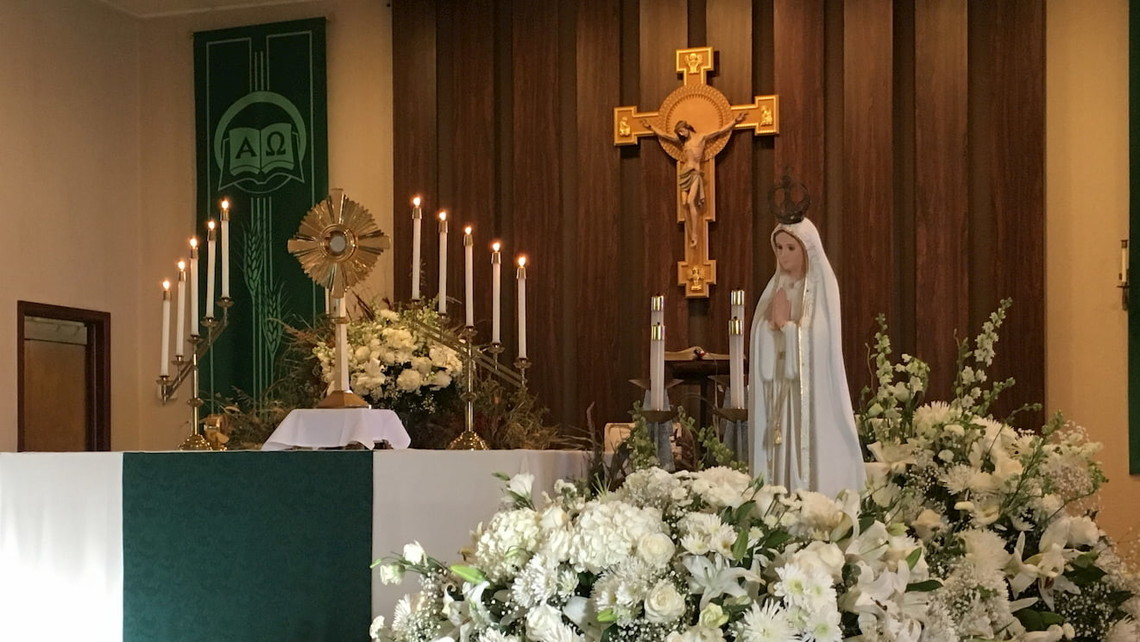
x=917 y=126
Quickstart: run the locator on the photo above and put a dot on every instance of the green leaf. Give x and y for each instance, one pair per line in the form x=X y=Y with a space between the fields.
x=740 y=546
x=468 y=573
x=502 y=476
x=742 y=511
x=1084 y=576
x=776 y=539
x=1038 y=620
x=913 y=558
x=607 y=615
x=924 y=587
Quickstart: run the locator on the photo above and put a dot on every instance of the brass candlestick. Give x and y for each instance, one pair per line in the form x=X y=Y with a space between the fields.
x=468 y=439
x=188 y=368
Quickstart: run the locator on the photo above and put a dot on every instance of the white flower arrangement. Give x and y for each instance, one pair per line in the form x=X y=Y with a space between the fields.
x=967 y=530
x=391 y=363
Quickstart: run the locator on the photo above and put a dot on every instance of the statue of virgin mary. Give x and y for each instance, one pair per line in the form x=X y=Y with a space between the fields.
x=799 y=407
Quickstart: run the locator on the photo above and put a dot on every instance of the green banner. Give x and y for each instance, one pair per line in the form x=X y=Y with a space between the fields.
x=249 y=547
x=262 y=143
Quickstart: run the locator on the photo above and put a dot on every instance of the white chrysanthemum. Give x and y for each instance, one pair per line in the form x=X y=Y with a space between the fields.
x=957 y=479
x=402 y=615
x=536 y=582
x=768 y=623
x=985 y=549
x=376 y=628
x=823 y=625
x=698 y=531
x=933 y=414
x=806 y=587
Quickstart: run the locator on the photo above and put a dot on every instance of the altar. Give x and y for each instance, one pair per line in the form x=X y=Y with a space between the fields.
x=232 y=546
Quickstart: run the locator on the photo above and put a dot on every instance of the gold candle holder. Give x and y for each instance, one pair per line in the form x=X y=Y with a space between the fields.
x=521 y=365
x=468 y=439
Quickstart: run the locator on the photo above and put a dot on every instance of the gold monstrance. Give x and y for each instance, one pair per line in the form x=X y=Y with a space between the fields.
x=338 y=244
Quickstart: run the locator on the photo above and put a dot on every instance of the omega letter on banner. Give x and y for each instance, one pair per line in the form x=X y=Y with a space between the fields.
x=261 y=143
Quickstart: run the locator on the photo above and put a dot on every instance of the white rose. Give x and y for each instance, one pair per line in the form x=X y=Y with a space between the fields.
x=543 y=622
x=1083 y=532
x=391 y=573
x=927 y=524
x=414 y=553
x=409 y=380
x=712 y=616
x=521 y=484
x=655 y=549
x=664 y=603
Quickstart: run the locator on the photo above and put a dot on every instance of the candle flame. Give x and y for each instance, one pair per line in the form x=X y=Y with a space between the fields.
x=225 y=203
x=522 y=261
x=166 y=284
x=193 y=242
x=181 y=265
x=443 y=215
x=467 y=230
x=416 y=201
x=496 y=246
x=210 y=224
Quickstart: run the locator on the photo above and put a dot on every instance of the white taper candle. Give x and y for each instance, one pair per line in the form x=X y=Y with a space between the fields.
x=180 y=324
x=520 y=276
x=164 y=367
x=441 y=302
x=496 y=291
x=469 y=275
x=342 y=344
x=211 y=261
x=417 y=220
x=194 y=287
x=225 y=248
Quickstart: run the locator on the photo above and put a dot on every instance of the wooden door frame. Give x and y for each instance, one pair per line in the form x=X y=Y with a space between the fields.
x=98 y=367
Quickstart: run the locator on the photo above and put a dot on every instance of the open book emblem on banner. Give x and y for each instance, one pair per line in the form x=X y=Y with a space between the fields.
x=259 y=143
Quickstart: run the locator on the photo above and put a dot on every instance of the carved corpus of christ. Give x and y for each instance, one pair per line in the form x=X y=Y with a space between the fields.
x=693 y=125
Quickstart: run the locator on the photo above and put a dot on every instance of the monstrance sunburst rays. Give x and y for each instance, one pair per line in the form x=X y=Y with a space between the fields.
x=338 y=243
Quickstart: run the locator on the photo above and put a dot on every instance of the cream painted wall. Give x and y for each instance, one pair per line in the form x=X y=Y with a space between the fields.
x=360 y=149
x=69 y=175
x=1087 y=215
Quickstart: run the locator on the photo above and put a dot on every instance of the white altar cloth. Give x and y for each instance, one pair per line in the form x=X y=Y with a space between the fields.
x=61 y=518
x=337 y=428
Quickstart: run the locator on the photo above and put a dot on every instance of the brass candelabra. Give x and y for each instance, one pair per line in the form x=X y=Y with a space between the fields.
x=188 y=369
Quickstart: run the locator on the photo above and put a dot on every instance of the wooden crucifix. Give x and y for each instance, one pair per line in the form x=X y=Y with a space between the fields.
x=693 y=125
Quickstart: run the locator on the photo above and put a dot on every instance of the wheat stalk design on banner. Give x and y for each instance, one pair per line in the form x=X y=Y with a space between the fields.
x=267 y=298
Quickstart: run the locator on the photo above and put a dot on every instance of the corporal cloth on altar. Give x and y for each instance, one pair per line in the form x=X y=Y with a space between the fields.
x=336 y=428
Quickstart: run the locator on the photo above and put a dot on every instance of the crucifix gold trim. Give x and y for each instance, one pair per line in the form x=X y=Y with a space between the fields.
x=693 y=125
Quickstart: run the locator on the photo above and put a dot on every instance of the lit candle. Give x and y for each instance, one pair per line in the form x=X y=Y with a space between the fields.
x=520 y=275
x=441 y=304
x=211 y=260
x=417 y=218
x=180 y=336
x=164 y=367
x=342 y=344
x=736 y=350
x=225 y=248
x=469 y=270
x=496 y=291
x=193 y=287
